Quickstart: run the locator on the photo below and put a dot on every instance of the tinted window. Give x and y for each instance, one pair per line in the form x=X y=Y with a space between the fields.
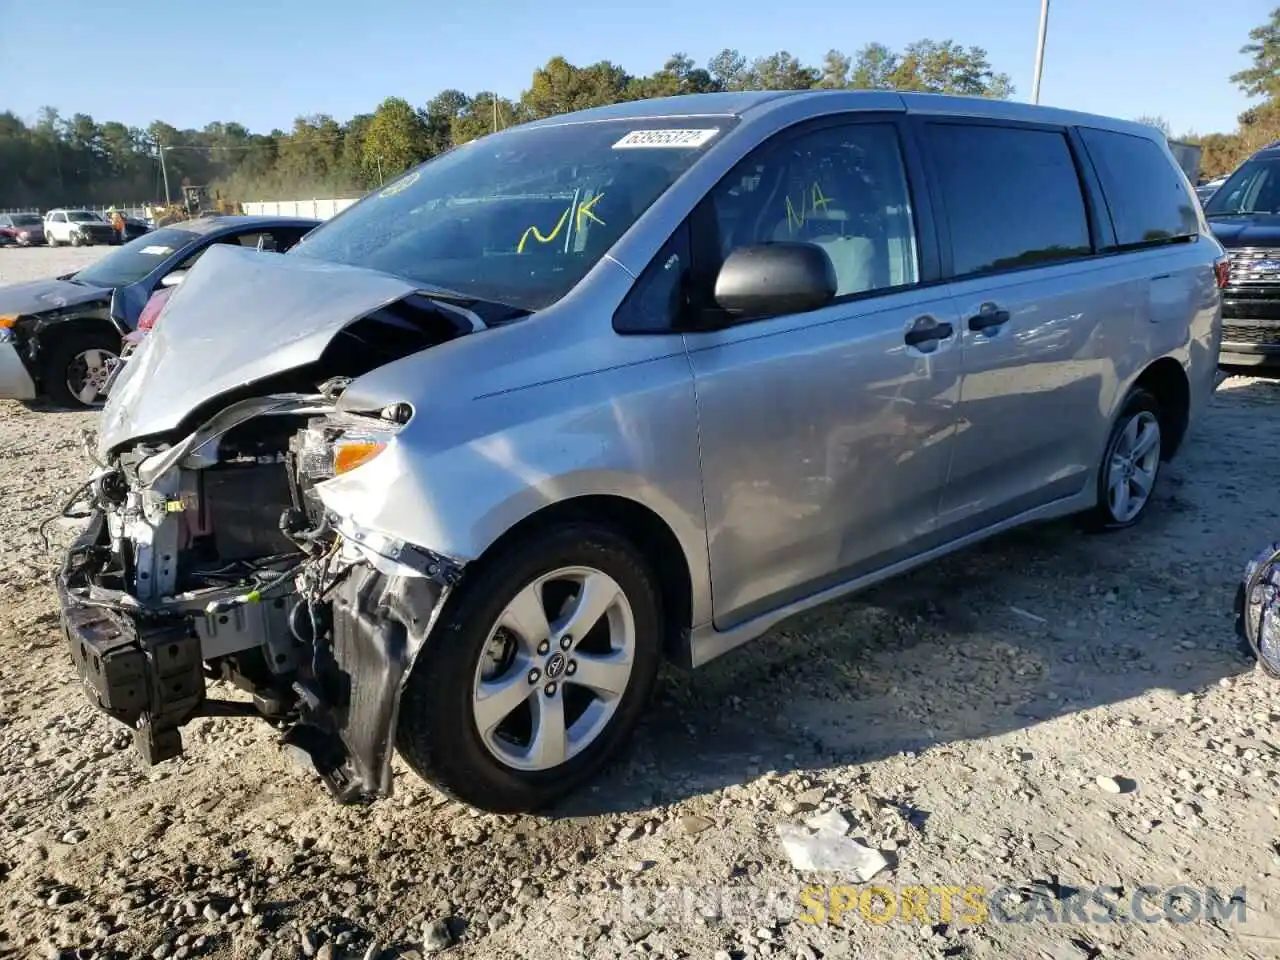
x=520 y=216
x=25 y=220
x=1253 y=188
x=59 y=218
x=136 y=259
x=1012 y=196
x=841 y=188
x=83 y=216
x=1146 y=194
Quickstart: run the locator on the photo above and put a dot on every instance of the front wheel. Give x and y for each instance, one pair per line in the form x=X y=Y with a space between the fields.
x=1130 y=466
x=538 y=672
x=50 y=240
x=78 y=368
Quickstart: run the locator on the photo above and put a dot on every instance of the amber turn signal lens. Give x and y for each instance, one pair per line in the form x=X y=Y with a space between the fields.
x=350 y=455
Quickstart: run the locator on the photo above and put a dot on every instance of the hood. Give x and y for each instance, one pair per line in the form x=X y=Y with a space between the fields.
x=238 y=317
x=41 y=296
x=1254 y=230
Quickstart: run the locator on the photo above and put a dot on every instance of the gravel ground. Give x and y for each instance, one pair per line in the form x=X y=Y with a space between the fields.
x=1051 y=712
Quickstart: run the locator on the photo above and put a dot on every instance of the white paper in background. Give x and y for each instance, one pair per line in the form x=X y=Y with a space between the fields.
x=680 y=139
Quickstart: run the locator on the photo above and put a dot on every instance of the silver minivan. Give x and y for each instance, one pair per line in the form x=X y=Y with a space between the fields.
x=458 y=472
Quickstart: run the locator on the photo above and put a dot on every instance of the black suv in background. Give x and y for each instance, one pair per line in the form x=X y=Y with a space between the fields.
x=1244 y=214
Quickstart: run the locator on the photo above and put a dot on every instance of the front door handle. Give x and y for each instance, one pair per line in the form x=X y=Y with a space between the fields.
x=988 y=316
x=927 y=330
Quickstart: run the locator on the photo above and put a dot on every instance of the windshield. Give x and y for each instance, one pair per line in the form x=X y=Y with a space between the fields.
x=1253 y=188
x=136 y=259
x=83 y=216
x=520 y=217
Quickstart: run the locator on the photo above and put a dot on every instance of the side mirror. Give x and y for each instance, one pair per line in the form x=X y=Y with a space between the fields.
x=775 y=278
x=173 y=279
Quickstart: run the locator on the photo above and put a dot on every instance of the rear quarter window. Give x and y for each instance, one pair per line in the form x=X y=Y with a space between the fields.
x=1145 y=192
x=1011 y=195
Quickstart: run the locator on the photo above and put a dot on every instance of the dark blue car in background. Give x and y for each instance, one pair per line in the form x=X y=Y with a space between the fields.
x=61 y=338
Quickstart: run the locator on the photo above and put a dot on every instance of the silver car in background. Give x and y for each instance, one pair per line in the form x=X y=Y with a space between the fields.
x=457 y=472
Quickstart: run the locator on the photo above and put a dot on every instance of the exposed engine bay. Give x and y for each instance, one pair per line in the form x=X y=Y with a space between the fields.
x=209 y=555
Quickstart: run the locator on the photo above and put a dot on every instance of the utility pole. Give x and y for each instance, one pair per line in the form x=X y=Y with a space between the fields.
x=495 y=113
x=164 y=171
x=1044 y=26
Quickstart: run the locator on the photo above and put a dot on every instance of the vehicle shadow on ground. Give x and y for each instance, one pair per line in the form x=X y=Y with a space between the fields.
x=1034 y=625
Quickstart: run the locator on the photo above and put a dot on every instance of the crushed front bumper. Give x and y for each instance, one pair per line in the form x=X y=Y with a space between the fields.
x=150 y=679
x=146 y=669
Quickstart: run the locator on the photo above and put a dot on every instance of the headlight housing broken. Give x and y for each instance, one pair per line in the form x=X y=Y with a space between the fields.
x=339 y=443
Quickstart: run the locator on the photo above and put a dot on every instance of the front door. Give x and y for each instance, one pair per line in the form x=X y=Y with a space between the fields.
x=825 y=436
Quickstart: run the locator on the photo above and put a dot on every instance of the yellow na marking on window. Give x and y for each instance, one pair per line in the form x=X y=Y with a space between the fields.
x=812 y=202
x=584 y=213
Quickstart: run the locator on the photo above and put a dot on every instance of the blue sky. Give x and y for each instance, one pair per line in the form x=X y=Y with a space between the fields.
x=263 y=62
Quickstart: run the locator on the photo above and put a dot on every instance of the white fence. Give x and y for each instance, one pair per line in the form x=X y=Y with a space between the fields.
x=318 y=209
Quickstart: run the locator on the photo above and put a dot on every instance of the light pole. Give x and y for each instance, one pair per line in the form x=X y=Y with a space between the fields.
x=164 y=171
x=1044 y=26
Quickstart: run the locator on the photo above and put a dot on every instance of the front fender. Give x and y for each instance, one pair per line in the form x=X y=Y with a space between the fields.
x=457 y=478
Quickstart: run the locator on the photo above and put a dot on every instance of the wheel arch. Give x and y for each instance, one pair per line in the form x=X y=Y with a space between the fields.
x=1166 y=380
x=641 y=526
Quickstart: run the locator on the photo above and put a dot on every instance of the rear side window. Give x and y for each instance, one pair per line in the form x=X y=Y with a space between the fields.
x=1146 y=194
x=1012 y=196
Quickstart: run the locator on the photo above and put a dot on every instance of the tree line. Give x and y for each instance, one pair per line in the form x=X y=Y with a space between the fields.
x=58 y=160
x=1259 y=125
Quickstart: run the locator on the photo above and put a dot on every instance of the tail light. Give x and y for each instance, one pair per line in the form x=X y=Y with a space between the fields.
x=1222 y=272
x=151 y=312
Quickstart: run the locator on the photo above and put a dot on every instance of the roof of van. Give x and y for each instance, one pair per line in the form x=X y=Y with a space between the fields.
x=744 y=103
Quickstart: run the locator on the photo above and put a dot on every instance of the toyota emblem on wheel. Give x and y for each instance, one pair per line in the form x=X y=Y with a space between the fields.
x=555 y=666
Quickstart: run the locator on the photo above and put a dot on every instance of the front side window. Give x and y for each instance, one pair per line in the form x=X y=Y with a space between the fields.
x=843 y=189
x=1146 y=194
x=1253 y=188
x=83 y=216
x=59 y=217
x=135 y=259
x=519 y=217
x=1012 y=196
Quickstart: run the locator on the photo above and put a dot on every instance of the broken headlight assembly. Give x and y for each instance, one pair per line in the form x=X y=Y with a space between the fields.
x=339 y=443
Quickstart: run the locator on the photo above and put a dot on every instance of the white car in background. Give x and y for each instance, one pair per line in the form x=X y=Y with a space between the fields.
x=76 y=227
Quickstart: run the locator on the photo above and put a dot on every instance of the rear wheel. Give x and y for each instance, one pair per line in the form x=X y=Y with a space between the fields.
x=538 y=672
x=1130 y=466
x=78 y=367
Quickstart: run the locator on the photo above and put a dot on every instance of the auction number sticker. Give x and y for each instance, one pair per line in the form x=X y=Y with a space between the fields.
x=638 y=139
x=404 y=183
x=155 y=250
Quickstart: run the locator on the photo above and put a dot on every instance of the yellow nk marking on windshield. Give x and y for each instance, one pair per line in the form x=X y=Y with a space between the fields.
x=814 y=202
x=584 y=212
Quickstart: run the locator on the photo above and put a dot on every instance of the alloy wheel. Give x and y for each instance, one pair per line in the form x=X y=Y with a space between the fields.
x=88 y=375
x=1131 y=471
x=554 y=669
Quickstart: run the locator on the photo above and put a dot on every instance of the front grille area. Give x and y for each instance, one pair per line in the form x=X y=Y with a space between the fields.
x=1255 y=336
x=1255 y=265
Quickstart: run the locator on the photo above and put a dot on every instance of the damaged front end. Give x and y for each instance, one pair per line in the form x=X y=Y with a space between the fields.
x=209 y=554
x=215 y=559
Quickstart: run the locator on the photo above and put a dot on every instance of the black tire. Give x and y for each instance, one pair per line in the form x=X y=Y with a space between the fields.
x=437 y=733
x=1101 y=517
x=49 y=241
x=63 y=353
